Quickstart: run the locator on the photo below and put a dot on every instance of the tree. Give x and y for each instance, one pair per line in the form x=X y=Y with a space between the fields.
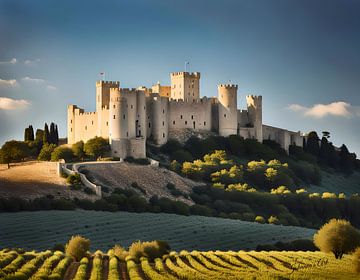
x=46 y=135
x=13 y=151
x=52 y=134
x=29 y=134
x=96 y=147
x=77 y=247
x=46 y=151
x=337 y=236
x=312 y=145
x=56 y=135
x=62 y=153
x=78 y=150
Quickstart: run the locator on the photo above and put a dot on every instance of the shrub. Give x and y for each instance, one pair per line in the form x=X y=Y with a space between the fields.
x=77 y=247
x=150 y=249
x=46 y=151
x=78 y=150
x=356 y=260
x=337 y=236
x=120 y=252
x=96 y=147
x=273 y=220
x=74 y=180
x=260 y=219
x=62 y=153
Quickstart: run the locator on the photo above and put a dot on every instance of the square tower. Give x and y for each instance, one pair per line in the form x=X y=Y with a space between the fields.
x=185 y=86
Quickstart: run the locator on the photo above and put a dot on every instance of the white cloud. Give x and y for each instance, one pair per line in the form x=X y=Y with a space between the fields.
x=33 y=80
x=338 y=109
x=11 y=61
x=13 y=104
x=51 y=88
x=8 y=83
x=29 y=62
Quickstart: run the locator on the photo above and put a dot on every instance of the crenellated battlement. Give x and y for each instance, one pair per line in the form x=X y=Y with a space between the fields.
x=187 y=74
x=254 y=97
x=110 y=84
x=228 y=86
x=190 y=101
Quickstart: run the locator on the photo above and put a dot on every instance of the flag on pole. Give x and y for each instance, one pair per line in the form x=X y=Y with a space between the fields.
x=186 y=63
x=102 y=74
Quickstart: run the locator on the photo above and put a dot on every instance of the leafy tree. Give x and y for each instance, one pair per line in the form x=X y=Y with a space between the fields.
x=62 y=153
x=77 y=247
x=96 y=147
x=312 y=144
x=46 y=151
x=78 y=150
x=337 y=236
x=13 y=151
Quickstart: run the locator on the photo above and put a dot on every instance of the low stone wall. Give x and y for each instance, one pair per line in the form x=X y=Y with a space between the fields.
x=62 y=168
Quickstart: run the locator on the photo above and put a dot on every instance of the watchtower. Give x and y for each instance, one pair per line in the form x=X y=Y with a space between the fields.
x=227 y=95
x=185 y=86
x=254 y=107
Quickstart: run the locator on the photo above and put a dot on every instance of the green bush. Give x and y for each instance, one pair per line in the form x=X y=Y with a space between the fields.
x=78 y=150
x=77 y=247
x=46 y=151
x=96 y=147
x=62 y=153
x=260 y=219
x=74 y=180
x=120 y=252
x=150 y=249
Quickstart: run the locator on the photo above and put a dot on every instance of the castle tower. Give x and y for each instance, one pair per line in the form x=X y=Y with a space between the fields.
x=118 y=123
x=159 y=119
x=185 y=86
x=140 y=114
x=227 y=95
x=254 y=107
x=103 y=100
x=71 y=124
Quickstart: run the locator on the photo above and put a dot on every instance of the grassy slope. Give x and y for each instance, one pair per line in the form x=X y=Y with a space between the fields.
x=41 y=230
x=338 y=183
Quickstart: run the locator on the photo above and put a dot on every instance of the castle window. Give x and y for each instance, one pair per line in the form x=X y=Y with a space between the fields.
x=163 y=111
x=85 y=127
x=163 y=135
x=173 y=122
x=149 y=124
x=144 y=107
x=124 y=116
x=127 y=134
x=114 y=117
x=70 y=121
x=192 y=117
x=180 y=116
x=70 y=129
x=92 y=122
x=189 y=93
x=224 y=115
x=204 y=123
x=107 y=123
x=114 y=106
x=163 y=123
x=185 y=122
x=131 y=106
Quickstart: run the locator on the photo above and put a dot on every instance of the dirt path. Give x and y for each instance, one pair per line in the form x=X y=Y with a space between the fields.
x=71 y=271
x=105 y=268
x=123 y=271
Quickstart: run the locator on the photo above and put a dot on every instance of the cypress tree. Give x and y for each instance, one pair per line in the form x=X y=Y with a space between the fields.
x=26 y=134
x=46 y=136
x=56 y=135
x=313 y=146
x=52 y=138
x=31 y=133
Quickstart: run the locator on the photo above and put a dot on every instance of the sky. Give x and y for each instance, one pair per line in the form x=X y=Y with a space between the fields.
x=303 y=57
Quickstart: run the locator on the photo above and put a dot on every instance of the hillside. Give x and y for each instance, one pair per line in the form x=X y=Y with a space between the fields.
x=150 y=179
x=33 y=179
x=184 y=265
x=43 y=229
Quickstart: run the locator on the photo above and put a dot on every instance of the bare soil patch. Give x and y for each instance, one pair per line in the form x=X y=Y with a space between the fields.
x=34 y=179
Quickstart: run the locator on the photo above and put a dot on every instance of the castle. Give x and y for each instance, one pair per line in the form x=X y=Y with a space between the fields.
x=127 y=117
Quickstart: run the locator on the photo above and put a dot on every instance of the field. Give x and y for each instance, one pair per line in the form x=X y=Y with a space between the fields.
x=184 y=265
x=43 y=229
x=34 y=179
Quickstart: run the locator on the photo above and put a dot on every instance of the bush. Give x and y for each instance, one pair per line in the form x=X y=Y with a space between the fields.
x=96 y=147
x=120 y=252
x=74 y=180
x=77 y=247
x=62 y=153
x=260 y=219
x=150 y=249
x=337 y=236
x=273 y=220
x=356 y=260
x=78 y=150
x=46 y=151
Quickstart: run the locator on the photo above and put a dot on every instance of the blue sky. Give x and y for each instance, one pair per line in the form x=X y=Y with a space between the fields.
x=302 y=56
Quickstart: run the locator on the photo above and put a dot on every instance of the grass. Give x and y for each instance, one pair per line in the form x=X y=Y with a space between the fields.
x=43 y=229
x=200 y=265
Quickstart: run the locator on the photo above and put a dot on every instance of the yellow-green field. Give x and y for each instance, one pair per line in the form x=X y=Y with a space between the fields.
x=183 y=265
